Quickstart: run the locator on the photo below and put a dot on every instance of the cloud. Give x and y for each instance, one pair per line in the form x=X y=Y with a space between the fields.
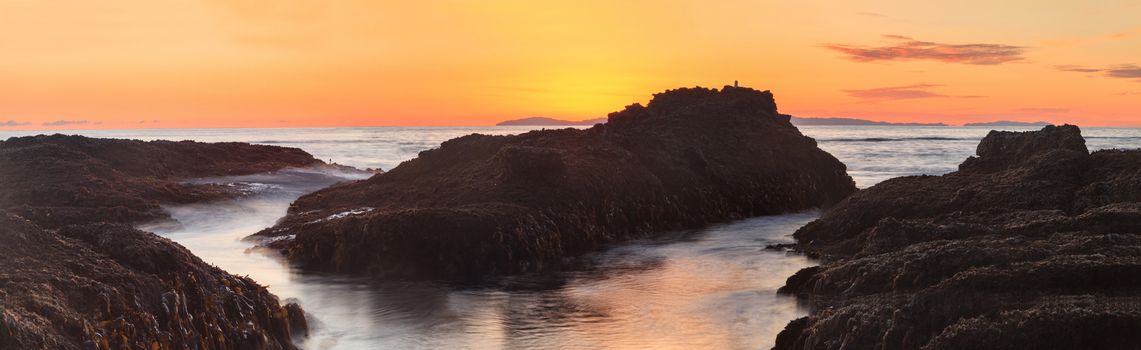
x=1121 y=71
x=65 y=122
x=13 y=123
x=905 y=48
x=1125 y=71
x=1075 y=68
x=901 y=93
x=871 y=14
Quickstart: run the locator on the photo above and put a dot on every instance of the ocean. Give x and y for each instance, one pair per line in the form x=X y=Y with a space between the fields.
x=707 y=288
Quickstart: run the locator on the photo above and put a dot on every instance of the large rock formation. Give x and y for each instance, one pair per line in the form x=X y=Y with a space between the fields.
x=108 y=286
x=58 y=180
x=75 y=277
x=1034 y=244
x=500 y=204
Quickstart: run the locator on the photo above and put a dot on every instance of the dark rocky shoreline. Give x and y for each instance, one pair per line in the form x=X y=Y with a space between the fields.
x=1035 y=244
x=76 y=276
x=483 y=205
x=109 y=286
x=57 y=180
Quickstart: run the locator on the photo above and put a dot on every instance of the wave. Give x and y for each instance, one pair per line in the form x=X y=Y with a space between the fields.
x=898 y=139
x=282 y=142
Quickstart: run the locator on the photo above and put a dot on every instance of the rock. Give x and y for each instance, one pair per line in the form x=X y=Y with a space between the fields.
x=1035 y=243
x=483 y=204
x=108 y=286
x=58 y=180
x=75 y=277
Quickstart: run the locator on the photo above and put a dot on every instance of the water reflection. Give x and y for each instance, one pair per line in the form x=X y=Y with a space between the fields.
x=711 y=288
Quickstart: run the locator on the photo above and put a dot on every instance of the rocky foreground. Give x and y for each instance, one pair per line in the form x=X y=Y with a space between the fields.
x=108 y=286
x=75 y=276
x=502 y=204
x=1034 y=244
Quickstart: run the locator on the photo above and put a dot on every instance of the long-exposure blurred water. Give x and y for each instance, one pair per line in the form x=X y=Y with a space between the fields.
x=709 y=288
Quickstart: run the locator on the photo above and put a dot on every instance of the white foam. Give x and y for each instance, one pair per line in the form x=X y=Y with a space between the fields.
x=345 y=214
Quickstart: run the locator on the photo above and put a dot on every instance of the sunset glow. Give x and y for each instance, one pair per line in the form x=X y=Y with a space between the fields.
x=252 y=63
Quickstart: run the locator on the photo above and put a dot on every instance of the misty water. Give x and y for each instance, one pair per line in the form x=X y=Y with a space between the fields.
x=708 y=288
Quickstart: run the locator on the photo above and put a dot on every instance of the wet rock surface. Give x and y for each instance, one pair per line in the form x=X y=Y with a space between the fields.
x=56 y=180
x=75 y=276
x=109 y=286
x=483 y=204
x=1035 y=243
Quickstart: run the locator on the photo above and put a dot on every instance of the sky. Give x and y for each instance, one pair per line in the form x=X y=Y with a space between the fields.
x=89 y=64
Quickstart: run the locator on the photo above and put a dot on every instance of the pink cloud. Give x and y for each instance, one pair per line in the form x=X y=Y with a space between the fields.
x=905 y=48
x=1075 y=68
x=1125 y=71
x=1121 y=71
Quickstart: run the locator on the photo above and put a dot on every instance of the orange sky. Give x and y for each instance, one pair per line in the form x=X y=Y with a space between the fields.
x=67 y=64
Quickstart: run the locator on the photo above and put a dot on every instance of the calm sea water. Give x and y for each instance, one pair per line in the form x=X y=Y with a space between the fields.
x=872 y=153
x=709 y=288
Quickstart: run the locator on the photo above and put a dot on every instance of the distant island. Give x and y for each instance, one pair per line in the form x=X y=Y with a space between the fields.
x=852 y=121
x=1009 y=123
x=549 y=121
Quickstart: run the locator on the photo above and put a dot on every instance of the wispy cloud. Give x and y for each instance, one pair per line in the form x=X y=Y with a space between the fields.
x=1075 y=68
x=871 y=14
x=1121 y=71
x=13 y=123
x=1125 y=71
x=65 y=122
x=905 y=48
x=901 y=93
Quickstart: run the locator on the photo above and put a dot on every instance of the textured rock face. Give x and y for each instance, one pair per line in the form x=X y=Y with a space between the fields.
x=58 y=180
x=72 y=276
x=1035 y=243
x=108 y=286
x=502 y=204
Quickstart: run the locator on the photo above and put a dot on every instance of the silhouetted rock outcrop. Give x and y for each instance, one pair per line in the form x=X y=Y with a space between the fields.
x=501 y=204
x=108 y=286
x=544 y=121
x=58 y=180
x=1035 y=244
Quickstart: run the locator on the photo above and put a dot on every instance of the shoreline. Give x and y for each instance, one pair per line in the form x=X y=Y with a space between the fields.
x=1033 y=242
x=610 y=269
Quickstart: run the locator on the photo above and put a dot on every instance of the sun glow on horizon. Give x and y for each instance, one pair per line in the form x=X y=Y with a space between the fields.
x=298 y=63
